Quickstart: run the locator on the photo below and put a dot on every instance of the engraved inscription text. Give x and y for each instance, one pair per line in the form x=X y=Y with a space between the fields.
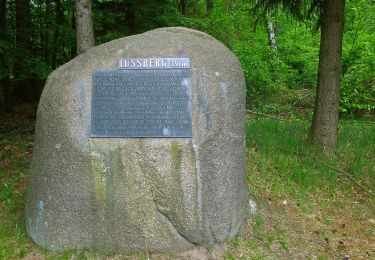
x=141 y=103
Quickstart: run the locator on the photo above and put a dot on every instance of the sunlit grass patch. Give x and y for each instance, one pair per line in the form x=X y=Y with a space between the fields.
x=277 y=153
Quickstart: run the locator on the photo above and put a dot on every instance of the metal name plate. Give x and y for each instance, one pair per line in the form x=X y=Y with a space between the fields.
x=143 y=102
x=153 y=63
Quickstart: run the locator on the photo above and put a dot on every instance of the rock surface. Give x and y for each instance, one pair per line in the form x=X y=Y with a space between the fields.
x=140 y=194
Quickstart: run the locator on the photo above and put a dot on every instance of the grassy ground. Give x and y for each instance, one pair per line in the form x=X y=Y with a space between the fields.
x=305 y=210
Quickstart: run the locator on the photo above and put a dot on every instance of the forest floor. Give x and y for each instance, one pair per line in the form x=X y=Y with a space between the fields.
x=305 y=210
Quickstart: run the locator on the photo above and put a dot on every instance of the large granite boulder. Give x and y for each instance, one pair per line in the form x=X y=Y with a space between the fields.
x=140 y=194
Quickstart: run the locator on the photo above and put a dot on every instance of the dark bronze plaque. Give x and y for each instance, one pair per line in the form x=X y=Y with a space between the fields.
x=141 y=103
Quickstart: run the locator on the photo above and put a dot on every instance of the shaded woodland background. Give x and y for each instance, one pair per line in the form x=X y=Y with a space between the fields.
x=279 y=55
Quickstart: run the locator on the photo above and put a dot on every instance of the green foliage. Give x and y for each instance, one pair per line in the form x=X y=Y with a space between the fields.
x=299 y=48
x=134 y=17
x=265 y=73
x=358 y=83
x=35 y=68
x=7 y=51
x=275 y=78
x=299 y=9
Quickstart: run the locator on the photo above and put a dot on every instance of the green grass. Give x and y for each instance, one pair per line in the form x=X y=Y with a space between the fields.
x=15 y=154
x=275 y=149
x=302 y=204
x=305 y=208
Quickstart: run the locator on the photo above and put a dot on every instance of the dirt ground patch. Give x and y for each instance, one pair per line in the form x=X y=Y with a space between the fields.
x=336 y=229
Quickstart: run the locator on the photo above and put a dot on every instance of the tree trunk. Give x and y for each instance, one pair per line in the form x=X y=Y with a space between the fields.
x=8 y=94
x=271 y=33
x=23 y=29
x=209 y=6
x=130 y=17
x=41 y=28
x=2 y=97
x=23 y=88
x=6 y=85
x=84 y=25
x=3 y=12
x=59 y=21
x=182 y=6
x=45 y=32
x=196 y=7
x=326 y=111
